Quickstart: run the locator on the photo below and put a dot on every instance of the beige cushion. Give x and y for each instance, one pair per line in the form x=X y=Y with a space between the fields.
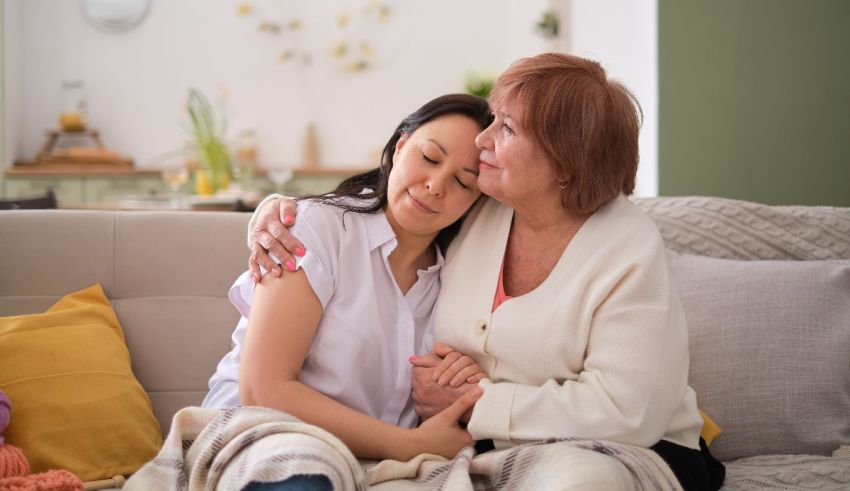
x=770 y=352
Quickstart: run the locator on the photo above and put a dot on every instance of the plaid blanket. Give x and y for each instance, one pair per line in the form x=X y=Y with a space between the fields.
x=213 y=449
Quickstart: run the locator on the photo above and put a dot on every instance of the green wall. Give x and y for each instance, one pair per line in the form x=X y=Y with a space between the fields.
x=755 y=100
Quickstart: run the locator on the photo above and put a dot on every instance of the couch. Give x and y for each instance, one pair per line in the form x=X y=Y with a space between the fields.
x=766 y=290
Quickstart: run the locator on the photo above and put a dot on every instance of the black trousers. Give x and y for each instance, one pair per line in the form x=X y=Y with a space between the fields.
x=696 y=470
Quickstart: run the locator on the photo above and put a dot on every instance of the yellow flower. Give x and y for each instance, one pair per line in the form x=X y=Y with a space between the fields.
x=366 y=49
x=295 y=25
x=269 y=27
x=285 y=55
x=342 y=20
x=382 y=9
x=243 y=8
x=356 y=66
x=373 y=5
x=339 y=50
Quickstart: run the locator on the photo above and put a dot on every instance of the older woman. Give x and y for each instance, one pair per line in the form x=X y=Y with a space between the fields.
x=558 y=286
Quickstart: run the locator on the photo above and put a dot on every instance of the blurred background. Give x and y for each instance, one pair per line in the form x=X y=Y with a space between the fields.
x=111 y=103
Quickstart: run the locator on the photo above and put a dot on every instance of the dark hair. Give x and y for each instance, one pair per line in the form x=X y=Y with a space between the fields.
x=586 y=124
x=370 y=187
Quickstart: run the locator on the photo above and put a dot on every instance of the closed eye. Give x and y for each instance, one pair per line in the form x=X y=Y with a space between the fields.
x=428 y=159
x=464 y=186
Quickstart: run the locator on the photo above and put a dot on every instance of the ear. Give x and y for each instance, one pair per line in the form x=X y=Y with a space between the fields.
x=400 y=143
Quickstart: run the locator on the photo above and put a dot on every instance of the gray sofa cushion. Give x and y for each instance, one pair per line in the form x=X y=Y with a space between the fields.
x=733 y=229
x=770 y=352
x=790 y=472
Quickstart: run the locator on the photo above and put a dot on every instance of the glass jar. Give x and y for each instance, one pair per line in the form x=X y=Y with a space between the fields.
x=72 y=113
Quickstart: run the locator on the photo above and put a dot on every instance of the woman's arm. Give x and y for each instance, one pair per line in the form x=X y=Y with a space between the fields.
x=278 y=338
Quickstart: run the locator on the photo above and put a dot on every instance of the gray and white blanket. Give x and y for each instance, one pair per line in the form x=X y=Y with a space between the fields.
x=213 y=449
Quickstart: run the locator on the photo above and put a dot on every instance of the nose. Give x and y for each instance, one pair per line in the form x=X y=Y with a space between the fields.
x=436 y=184
x=484 y=140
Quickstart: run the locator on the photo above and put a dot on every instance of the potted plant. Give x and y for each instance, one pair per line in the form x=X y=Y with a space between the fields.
x=207 y=132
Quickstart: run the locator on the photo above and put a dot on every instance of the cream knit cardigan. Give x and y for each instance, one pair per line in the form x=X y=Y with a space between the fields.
x=598 y=350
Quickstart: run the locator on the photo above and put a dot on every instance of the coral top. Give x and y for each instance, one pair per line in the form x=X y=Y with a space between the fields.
x=501 y=296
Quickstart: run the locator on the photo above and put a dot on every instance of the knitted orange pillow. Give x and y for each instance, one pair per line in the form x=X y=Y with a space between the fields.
x=76 y=404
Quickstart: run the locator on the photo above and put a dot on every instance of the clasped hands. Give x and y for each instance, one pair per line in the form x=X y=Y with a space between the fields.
x=440 y=378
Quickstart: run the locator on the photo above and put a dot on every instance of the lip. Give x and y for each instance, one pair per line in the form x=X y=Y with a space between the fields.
x=483 y=165
x=420 y=205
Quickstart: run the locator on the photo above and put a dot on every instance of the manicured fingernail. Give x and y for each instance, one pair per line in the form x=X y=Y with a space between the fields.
x=299 y=251
x=256 y=278
x=290 y=266
x=288 y=219
x=276 y=271
x=414 y=358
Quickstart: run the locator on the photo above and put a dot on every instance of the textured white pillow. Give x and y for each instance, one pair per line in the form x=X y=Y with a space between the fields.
x=770 y=352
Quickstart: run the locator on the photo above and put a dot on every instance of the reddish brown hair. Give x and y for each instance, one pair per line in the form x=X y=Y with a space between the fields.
x=586 y=124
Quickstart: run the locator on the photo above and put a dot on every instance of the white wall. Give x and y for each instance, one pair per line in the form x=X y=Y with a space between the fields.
x=623 y=36
x=136 y=81
x=12 y=97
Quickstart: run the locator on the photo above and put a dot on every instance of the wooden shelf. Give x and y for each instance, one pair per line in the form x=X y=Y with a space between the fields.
x=322 y=171
x=33 y=169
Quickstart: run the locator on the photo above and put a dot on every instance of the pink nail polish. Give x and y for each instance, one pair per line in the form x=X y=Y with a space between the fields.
x=414 y=358
x=289 y=219
x=299 y=251
x=290 y=266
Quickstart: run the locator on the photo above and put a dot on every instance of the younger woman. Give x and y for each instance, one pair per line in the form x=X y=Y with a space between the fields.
x=330 y=343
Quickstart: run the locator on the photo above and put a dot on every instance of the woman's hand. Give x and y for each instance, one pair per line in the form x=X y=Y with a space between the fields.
x=455 y=369
x=271 y=236
x=442 y=435
x=431 y=397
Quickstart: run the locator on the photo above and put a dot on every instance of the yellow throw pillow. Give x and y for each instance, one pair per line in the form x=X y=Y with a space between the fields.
x=76 y=404
x=710 y=430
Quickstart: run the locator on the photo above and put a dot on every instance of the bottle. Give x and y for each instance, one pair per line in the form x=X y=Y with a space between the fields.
x=310 y=150
x=72 y=114
x=246 y=158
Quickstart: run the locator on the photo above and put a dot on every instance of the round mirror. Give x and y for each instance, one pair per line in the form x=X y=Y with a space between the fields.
x=115 y=15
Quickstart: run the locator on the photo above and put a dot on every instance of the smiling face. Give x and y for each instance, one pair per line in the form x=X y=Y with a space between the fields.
x=514 y=169
x=433 y=180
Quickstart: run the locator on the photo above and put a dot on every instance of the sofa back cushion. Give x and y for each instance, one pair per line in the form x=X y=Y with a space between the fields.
x=165 y=273
x=770 y=352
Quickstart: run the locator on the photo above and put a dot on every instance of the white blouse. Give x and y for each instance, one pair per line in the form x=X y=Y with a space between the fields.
x=368 y=329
